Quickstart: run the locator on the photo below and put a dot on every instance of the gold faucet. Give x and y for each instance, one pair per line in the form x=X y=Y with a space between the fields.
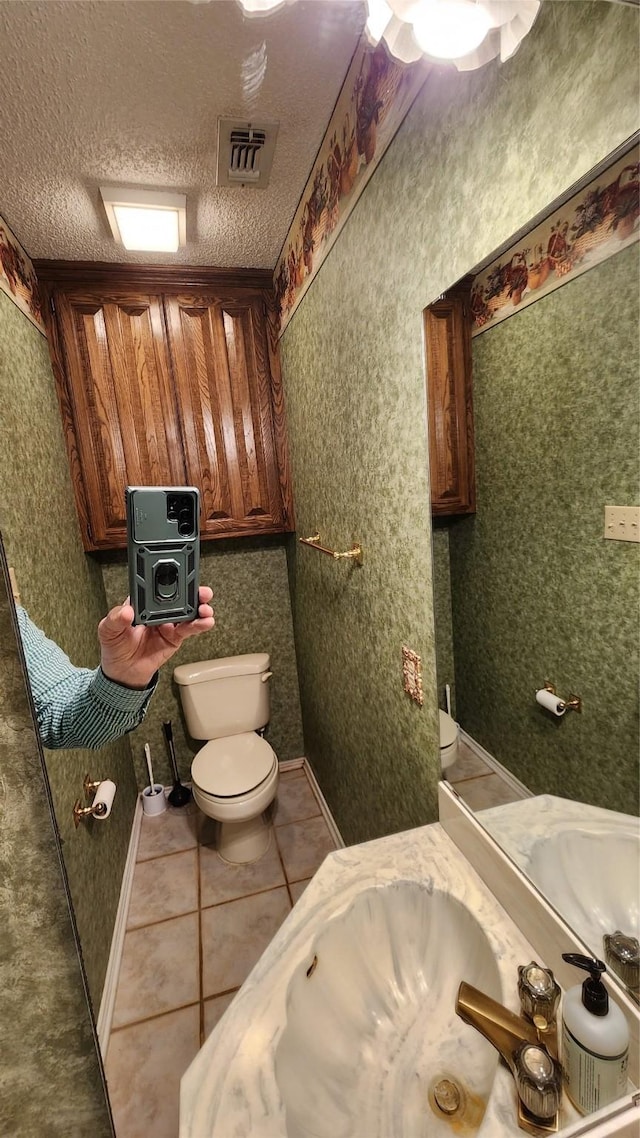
x=537 y=1074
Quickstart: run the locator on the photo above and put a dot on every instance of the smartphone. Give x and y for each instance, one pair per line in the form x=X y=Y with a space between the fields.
x=163 y=545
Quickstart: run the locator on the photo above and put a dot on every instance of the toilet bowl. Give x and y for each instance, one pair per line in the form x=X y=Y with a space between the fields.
x=235 y=774
x=449 y=731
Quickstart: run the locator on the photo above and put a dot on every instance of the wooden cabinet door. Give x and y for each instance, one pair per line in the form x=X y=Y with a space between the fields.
x=220 y=360
x=449 y=398
x=120 y=410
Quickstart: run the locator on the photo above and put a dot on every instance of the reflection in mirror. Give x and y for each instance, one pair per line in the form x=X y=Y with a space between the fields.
x=533 y=595
x=51 y=1066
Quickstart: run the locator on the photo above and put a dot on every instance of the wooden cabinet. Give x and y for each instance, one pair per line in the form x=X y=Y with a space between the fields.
x=447 y=325
x=220 y=362
x=178 y=384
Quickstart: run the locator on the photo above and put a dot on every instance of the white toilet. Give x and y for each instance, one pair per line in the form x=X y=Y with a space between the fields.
x=235 y=775
x=448 y=740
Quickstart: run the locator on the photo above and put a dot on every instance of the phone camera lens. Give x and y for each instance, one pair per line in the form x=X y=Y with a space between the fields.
x=185 y=522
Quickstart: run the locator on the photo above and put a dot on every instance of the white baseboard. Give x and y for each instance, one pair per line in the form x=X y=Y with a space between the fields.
x=292 y=764
x=322 y=802
x=488 y=758
x=303 y=763
x=107 y=1002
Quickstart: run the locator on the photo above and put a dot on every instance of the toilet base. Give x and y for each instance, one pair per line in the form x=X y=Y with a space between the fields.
x=242 y=842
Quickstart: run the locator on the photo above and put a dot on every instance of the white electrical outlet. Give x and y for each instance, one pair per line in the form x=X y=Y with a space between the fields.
x=622 y=523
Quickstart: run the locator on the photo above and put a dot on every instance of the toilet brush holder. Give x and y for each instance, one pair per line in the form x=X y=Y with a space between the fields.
x=153 y=799
x=180 y=795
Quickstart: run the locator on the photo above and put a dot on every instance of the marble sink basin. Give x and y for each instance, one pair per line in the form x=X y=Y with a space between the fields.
x=419 y=920
x=592 y=876
x=371 y=1029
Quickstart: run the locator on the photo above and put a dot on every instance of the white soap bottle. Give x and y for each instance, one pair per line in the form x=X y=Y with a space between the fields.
x=595 y=1040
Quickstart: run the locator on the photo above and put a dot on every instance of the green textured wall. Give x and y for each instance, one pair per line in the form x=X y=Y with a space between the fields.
x=51 y=1075
x=478 y=155
x=445 y=668
x=253 y=614
x=62 y=590
x=537 y=593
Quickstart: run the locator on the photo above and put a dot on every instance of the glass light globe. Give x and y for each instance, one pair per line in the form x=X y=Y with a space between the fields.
x=450 y=29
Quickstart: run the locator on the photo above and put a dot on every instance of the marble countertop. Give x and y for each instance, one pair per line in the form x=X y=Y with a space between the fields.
x=517 y=826
x=584 y=860
x=230 y=1088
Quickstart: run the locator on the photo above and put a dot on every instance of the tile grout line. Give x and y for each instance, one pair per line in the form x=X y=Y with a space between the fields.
x=224 y=992
x=200 y=948
x=246 y=896
x=169 y=853
x=286 y=877
x=160 y=921
x=296 y=822
x=156 y=1015
x=215 y=905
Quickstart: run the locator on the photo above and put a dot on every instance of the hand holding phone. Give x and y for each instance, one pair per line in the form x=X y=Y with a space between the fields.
x=163 y=539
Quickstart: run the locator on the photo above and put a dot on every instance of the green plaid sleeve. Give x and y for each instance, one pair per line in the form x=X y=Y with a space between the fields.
x=76 y=707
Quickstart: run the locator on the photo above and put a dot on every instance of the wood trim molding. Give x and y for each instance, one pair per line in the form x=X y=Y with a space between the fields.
x=82 y=274
x=65 y=401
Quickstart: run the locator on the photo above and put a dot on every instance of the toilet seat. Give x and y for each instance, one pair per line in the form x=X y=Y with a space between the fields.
x=234 y=766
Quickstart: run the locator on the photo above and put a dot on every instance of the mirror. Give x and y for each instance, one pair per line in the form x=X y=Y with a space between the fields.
x=46 y=1024
x=532 y=594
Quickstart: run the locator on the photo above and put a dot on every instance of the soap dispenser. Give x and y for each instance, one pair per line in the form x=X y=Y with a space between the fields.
x=595 y=1040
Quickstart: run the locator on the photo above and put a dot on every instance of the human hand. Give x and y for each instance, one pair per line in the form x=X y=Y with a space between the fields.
x=131 y=654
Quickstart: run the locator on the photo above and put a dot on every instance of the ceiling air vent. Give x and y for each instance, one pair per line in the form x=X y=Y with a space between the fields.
x=245 y=152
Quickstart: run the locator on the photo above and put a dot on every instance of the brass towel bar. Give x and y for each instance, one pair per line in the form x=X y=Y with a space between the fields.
x=355 y=553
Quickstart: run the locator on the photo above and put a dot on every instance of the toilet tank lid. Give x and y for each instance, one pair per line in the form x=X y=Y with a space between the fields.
x=448 y=729
x=248 y=665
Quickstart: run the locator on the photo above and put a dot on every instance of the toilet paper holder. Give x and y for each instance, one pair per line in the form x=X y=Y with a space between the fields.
x=96 y=809
x=573 y=703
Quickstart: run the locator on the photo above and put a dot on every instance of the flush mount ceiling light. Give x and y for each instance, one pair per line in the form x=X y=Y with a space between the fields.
x=147 y=221
x=468 y=33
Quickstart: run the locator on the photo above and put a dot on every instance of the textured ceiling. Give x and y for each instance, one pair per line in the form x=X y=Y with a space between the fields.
x=112 y=92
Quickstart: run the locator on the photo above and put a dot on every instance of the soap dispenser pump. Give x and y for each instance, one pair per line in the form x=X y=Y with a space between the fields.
x=595 y=1040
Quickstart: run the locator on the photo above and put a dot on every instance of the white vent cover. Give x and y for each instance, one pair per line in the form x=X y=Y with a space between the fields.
x=245 y=152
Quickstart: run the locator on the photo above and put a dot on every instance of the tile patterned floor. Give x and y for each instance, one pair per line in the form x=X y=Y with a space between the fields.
x=478 y=784
x=195 y=928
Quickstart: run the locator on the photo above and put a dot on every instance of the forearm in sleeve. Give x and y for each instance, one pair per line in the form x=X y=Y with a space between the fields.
x=77 y=707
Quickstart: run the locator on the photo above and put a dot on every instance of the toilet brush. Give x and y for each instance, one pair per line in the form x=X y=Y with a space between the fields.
x=180 y=795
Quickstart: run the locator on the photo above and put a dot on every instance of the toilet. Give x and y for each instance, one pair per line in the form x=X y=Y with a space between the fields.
x=448 y=740
x=234 y=777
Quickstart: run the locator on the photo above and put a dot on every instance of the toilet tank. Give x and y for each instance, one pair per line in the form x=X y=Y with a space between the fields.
x=226 y=696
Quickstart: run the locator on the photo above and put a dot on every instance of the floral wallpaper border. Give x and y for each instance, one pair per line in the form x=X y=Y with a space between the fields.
x=374 y=99
x=17 y=277
x=599 y=221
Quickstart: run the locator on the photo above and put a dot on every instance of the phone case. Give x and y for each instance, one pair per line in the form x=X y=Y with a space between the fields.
x=163 y=546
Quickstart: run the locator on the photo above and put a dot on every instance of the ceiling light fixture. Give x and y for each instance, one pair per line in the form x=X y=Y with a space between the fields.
x=149 y=221
x=467 y=33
